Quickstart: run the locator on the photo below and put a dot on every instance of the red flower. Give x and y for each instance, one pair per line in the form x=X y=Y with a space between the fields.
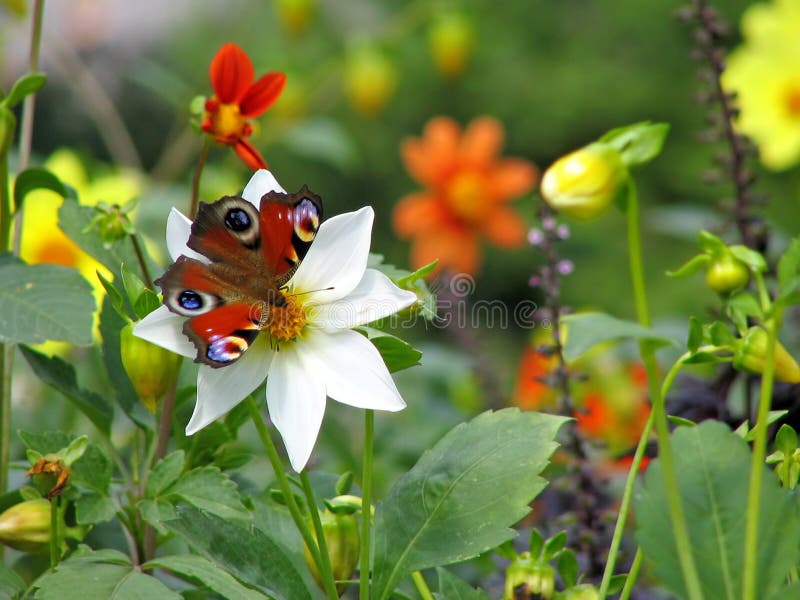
x=238 y=98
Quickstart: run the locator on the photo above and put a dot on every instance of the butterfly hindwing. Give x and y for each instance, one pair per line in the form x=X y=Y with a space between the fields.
x=227 y=230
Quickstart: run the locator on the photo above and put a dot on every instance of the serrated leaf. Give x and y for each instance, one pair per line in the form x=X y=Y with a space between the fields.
x=93 y=470
x=28 y=84
x=165 y=473
x=638 y=143
x=247 y=553
x=44 y=302
x=36 y=178
x=60 y=375
x=202 y=571
x=691 y=266
x=94 y=508
x=709 y=462
x=211 y=490
x=103 y=574
x=586 y=330
x=488 y=467
x=789 y=266
x=12 y=585
x=454 y=588
x=155 y=512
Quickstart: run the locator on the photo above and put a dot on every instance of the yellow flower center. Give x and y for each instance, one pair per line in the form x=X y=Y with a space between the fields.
x=287 y=321
x=466 y=196
x=227 y=121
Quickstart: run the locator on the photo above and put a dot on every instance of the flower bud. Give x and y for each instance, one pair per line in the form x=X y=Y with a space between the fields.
x=370 y=80
x=295 y=15
x=151 y=369
x=725 y=273
x=529 y=578
x=111 y=222
x=342 y=539
x=451 y=39
x=50 y=475
x=751 y=356
x=584 y=591
x=583 y=184
x=26 y=526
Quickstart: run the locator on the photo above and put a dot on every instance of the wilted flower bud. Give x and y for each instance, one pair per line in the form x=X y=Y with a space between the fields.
x=751 y=356
x=529 y=578
x=451 y=38
x=341 y=536
x=583 y=184
x=370 y=79
x=26 y=526
x=725 y=273
x=151 y=369
x=50 y=475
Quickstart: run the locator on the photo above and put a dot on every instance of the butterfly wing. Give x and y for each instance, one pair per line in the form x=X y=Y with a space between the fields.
x=227 y=231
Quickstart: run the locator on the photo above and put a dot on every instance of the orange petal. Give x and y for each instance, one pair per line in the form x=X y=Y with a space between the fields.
x=231 y=73
x=511 y=178
x=430 y=159
x=416 y=213
x=248 y=153
x=482 y=141
x=456 y=250
x=504 y=228
x=262 y=94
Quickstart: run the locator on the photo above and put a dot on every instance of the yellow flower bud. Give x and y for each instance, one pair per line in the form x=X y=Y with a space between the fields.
x=151 y=369
x=451 y=39
x=751 y=356
x=725 y=273
x=26 y=526
x=344 y=546
x=583 y=184
x=529 y=578
x=370 y=80
x=295 y=15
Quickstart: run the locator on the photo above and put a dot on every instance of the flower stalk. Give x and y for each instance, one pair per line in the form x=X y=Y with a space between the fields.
x=326 y=571
x=366 y=505
x=198 y=172
x=54 y=533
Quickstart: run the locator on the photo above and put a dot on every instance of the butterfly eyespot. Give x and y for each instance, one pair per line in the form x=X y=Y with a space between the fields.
x=306 y=220
x=190 y=300
x=236 y=219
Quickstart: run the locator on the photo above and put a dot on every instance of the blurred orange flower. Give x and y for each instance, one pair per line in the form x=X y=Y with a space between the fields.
x=467 y=190
x=531 y=392
x=238 y=98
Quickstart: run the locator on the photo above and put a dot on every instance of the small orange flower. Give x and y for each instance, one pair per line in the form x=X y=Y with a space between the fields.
x=238 y=98
x=531 y=392
x=467 y=189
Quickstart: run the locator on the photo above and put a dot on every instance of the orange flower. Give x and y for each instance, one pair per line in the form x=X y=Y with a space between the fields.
x=467 y=188
x=238 y=98
x=531 y=392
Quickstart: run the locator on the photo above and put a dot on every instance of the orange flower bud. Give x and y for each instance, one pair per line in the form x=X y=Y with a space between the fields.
x=50 y=475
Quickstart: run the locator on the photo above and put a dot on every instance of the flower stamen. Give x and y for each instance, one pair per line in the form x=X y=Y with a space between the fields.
x=287 y=321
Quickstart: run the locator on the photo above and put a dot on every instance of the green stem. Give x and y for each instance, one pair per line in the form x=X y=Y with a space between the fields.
x=366 y=504
x=633 y=574
x=757 y=462
x=137 y=249
x=6 y=350
x=422 y=586
x=288 y=495
x=54 y=533
x=198 y=171
x=326 y=573
x=680 y=531
x=6 y=209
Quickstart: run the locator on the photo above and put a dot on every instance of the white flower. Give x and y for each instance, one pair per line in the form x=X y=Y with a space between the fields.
x=337 y=292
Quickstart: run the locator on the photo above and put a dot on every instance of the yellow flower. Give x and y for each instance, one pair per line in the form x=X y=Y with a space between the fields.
x=765 y=74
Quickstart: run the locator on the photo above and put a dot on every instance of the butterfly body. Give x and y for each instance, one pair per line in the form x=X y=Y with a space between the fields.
x=251 y=256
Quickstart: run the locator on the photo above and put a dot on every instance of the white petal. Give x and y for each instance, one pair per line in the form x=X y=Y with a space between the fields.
x=219 y=390
x=296 y=401
x=352 y=369
x=261 y=183
x=375 y=297
x=337 y=258
x=164 y=328
x=179 y=227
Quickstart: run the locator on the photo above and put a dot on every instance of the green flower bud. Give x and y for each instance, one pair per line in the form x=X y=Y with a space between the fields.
x=451 y=39
x=583 y=184
x=26 y=526
x=529 y=578
x=751 y=356
x=344 y=545
x=370 y=80
x=725 y=273
x=111 y=222
x=151 y=369
x=584 y=591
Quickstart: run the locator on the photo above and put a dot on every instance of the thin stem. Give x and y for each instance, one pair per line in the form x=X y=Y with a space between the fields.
x=6 y=209
x=6 y=350
x=366 y=504
x=137 y=249
x=757 y=461
x=633 y=574
x=198 y=171
x=54 y=533
x=680 y=531
x=165 y=422
x=326 y=573
x=288 y=495
x=422 y=586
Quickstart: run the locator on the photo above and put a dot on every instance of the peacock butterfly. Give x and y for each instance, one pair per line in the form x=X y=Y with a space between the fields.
x=251 y=256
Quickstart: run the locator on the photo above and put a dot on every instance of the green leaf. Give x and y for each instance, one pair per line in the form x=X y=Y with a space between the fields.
x=554 y=545
x=488 y=467
x=209 y=489
x=36 y=178
x=786 y=439
x=535 y=543
x=680 y=421
x=710 y=244
x=691 y=267
x=202 y=571
x=11 y=585
x=165 y=473
x=104 y=574
x=155 y=512
x=409 y=280
x=396 y=353
x=638 y=143
x=93 y=469
x=586 y=330
x=74 y=450
x=94 y=508
x=695 y=337
x=344 y=483
x=568 y=567
x=788 y=267
x=719 y=334
x=709 y=462
x=247 y=553
x=751 y=258
x=454 y=588
x=61 y=376
x=28 y=84
x=114 y=295
x=44 y=302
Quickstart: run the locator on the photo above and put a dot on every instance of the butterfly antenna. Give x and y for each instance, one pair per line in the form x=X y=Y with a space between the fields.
x=312 y=291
